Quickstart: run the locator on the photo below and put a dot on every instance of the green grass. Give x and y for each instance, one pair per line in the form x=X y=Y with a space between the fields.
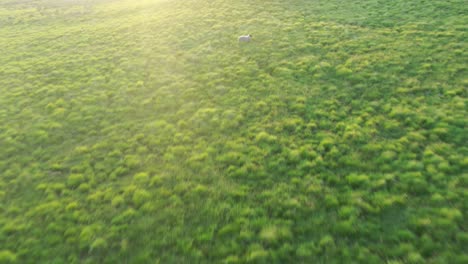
x=144 y=133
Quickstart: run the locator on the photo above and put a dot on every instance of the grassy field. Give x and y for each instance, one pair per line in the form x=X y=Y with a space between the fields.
x=143 y=132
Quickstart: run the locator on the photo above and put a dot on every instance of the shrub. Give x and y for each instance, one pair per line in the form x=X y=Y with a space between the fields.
x=306 y=250
x=124 y=218
x=327 y=241
x=140 y=197
x=84 y=187
x=230 y=229
x=118 y=201
x=331 y=201
x=98 y=245
x=415 y=258
x=292 y=124
x=141 y=178
x=347 y=227
x=342 y=70
x=6 y=256
x=72 y=206
x=387 y=156
x=119 y=171
x=231 y=260
x=74 y=180
x=257 y=254
x=264 y=137
x=452 y=214
x=357 y=180
x=132 y=161
x=201 y=190
x=273 y=234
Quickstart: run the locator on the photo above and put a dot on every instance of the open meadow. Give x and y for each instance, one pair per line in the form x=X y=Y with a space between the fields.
x=142 y=131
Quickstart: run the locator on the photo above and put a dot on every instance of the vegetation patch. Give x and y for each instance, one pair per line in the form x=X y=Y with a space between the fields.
x=144 y=132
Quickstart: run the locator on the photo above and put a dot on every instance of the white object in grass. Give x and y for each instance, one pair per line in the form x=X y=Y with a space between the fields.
x=245 y=38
